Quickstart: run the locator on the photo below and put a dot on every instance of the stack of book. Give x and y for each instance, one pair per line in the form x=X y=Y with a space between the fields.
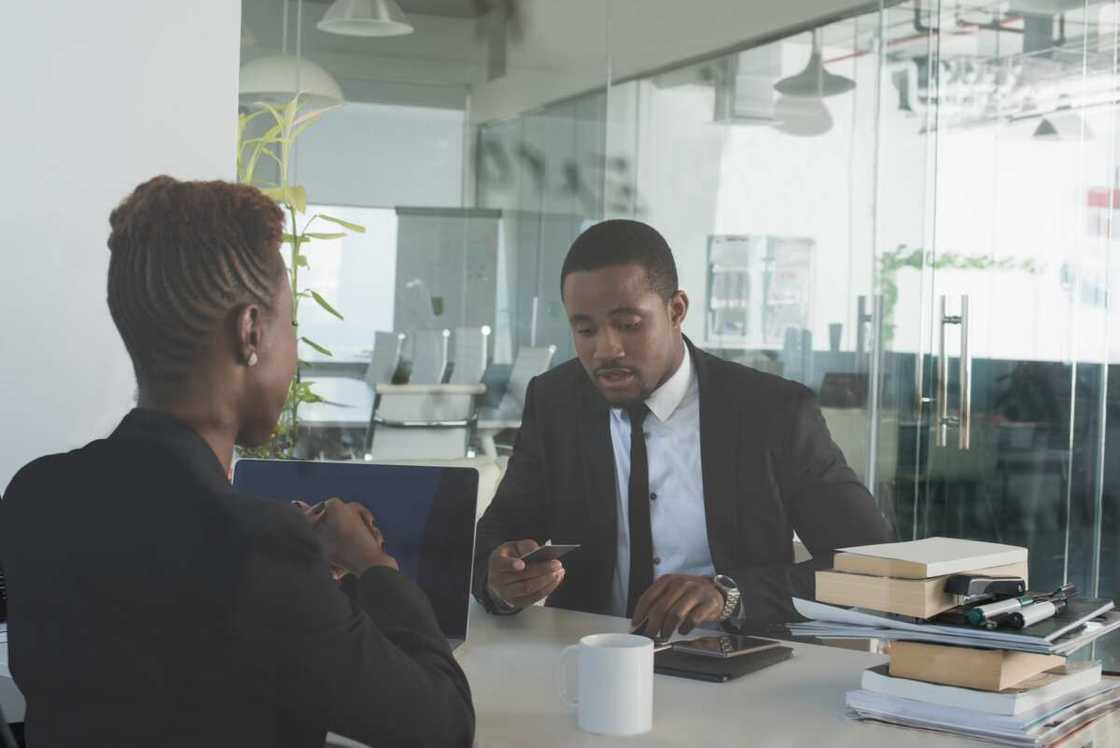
x=1011 y=686
x=908 y=579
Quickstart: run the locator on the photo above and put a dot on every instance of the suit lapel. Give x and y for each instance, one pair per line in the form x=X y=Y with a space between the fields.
x=718 y=460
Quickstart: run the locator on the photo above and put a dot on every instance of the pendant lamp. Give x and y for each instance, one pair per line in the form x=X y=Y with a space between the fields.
x=276 y=79
x=814 y=81
x=365 y=18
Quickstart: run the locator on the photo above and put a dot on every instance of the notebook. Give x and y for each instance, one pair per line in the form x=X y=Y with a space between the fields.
x=929 y=557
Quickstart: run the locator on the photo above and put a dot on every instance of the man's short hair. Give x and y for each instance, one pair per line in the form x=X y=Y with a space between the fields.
x=624 y=242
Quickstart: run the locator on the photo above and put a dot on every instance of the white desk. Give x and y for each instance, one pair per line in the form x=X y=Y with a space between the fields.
x=511 y=663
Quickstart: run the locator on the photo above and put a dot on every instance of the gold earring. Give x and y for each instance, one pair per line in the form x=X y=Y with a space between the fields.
x=252 y=358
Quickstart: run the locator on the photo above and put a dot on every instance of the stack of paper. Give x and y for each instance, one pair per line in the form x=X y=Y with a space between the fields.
x=1006 y=685
x=1037 y=727
x=1086 y=621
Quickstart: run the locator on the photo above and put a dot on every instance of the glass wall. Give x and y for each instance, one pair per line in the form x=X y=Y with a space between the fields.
x=907 y=208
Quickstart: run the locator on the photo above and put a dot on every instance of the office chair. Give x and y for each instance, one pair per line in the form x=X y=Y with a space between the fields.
x=429 y=356
x=426 y=418
x=470 y=346
x=388 y=348
x=528 y=363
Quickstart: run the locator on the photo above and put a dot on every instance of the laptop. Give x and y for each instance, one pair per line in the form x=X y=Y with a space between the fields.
x=426 y=514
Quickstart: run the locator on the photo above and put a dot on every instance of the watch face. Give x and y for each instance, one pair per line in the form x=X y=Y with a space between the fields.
x=726 y=582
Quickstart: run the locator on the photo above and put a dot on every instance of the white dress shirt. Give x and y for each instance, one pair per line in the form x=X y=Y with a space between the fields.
x=677 y=517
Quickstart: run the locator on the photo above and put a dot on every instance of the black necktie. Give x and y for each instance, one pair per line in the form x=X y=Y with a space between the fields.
x=641 y=537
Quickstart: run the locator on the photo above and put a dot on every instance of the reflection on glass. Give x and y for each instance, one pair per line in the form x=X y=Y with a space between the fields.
x=821 y=191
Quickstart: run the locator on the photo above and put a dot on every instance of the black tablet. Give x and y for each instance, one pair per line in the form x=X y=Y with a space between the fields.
x=716 y=669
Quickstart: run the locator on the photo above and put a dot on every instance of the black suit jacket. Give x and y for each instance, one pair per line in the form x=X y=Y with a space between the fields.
x=769 y=467
x=150 y=604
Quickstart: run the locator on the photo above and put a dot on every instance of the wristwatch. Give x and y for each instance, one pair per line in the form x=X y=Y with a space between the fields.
x=494 y=604
x=730 y=591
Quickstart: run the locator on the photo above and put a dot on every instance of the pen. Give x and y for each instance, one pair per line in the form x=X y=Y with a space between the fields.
x=978 y=615
x=1032 y=614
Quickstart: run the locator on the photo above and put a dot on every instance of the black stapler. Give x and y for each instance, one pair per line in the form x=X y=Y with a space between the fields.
x=976 y=585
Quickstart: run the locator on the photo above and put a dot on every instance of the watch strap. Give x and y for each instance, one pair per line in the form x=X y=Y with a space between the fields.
x=731 y=598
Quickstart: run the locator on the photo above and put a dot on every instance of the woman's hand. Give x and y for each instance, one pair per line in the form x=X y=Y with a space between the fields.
x=350 y=536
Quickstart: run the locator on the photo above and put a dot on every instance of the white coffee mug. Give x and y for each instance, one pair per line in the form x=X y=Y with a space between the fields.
x=614 y=692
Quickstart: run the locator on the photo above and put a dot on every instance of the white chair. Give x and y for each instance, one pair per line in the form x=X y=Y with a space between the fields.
x=349 y=402
x=429 y=356
x=470 y=354
x=423 y=421
x=388 y=347
x=529 y=363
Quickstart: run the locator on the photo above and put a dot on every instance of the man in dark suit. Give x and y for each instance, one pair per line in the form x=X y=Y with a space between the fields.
x=682 y=476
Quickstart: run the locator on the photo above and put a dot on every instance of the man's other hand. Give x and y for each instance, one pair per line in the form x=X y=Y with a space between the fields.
x=514 y=582
x=678 y=602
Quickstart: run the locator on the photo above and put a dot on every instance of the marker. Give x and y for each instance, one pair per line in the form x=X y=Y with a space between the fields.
x=1032 y=614
x=981 y=613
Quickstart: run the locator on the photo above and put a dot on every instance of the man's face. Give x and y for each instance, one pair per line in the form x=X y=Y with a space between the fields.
x=626 y=336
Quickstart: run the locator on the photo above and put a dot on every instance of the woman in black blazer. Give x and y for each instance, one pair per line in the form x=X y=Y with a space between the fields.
x=149 y=603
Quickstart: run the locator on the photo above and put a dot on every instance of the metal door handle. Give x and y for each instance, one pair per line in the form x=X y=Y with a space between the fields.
x=963 y=421
x=965 y=375
x=866 y=315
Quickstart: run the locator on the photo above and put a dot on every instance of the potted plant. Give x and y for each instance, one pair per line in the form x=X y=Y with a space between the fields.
x=274 y=147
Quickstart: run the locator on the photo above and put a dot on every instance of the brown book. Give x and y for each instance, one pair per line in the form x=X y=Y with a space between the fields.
x=981 y=669
x=929 y=557
x=918 y=598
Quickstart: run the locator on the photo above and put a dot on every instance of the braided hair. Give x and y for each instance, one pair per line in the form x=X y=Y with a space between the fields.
x=185 y=255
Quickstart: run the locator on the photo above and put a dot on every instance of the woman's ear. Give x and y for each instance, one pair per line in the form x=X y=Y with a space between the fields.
x=249 y=334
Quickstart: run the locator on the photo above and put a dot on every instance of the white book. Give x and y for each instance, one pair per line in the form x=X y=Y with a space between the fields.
x=1032 y=693
x=1035 y=728
x=930 y=557
x=1106 y=693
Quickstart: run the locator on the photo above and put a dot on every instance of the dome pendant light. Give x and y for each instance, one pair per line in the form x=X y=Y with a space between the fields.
x=365 y=18
x=277 y=79
x=814 y=80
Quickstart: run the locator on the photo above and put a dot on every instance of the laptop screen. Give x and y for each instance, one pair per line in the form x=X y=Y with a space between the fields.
x=425 y=513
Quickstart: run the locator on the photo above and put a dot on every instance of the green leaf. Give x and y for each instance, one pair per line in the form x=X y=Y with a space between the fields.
x=301 y=262
x=317 y=347
x=344 y=224
x=291 y=238
x=293 y=196
x=324 y=237
x=323 y=303
x=297 y=196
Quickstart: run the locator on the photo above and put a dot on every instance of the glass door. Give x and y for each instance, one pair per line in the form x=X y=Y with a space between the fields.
x=999 y=317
